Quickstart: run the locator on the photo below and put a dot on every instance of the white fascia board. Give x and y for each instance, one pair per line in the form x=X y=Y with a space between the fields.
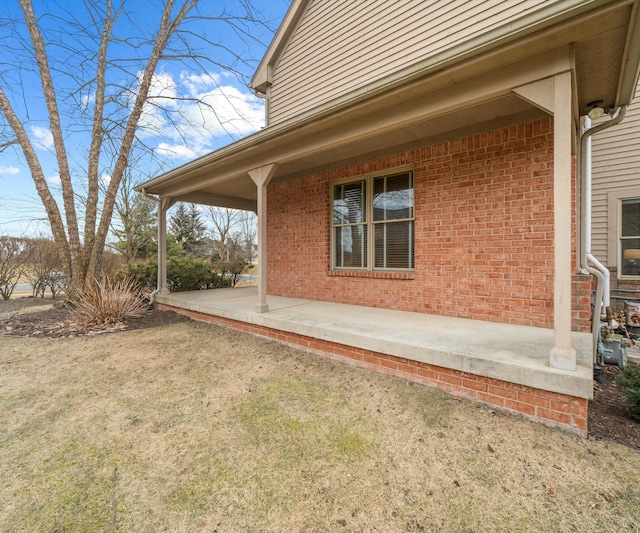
x=630 y=71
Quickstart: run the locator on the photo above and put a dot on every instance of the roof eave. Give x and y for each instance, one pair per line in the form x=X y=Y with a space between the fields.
x=484 y=43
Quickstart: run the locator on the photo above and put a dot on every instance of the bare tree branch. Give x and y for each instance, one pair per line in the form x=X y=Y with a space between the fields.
x=100 y=66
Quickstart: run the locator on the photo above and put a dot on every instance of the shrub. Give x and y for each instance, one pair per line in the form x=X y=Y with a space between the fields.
x=629 y=384
x=145 y=274
x=187 y=273
x=107 y=302
x=231 y=270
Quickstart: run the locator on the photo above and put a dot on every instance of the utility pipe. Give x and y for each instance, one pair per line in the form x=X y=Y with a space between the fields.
x=152 y=296
x=601 y=273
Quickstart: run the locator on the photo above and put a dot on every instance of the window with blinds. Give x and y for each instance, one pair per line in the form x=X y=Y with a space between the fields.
x=630 y=237
x=373 y=223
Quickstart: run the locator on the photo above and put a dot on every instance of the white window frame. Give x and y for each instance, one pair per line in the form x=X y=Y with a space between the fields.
x=370 y=224
x=614 y=224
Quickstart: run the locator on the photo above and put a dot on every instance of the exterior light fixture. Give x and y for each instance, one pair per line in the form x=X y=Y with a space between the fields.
x=595 y=109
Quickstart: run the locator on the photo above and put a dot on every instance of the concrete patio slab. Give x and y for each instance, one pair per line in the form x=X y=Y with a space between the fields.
x=512 y=353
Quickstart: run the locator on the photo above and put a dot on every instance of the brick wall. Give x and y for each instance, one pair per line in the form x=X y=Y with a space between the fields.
x=483 y=232
x=582 y=286
x=549 y=408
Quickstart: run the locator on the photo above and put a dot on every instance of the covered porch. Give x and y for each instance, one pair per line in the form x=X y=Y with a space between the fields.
x=501 y=364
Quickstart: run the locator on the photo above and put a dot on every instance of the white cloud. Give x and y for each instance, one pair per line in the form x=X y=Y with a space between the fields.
x=163 y=86
x=9 y=171
x=87 y=100
x=42 y=137
x=194 y=112
x=178 y=151
x=105 y=179
x=195 y=83
x=54 y=180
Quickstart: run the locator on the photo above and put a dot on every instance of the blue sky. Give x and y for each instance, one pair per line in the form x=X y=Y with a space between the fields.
x=233 y=111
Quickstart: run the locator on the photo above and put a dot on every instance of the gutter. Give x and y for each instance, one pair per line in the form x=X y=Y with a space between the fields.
x=588 y=262
x=152 y=296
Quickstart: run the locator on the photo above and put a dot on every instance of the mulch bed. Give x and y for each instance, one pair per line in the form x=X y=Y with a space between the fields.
x=59 y=322
x=608 y=412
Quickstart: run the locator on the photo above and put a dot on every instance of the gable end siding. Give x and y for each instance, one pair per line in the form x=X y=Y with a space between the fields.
x=341 y=45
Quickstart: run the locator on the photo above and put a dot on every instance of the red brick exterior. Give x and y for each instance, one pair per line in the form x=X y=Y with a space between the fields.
x=483 y=250
x=549 y=408
x=483 y=233
x=581 y=287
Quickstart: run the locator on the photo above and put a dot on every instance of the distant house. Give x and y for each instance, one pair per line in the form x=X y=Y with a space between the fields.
x=417 y=190
x=616 y=204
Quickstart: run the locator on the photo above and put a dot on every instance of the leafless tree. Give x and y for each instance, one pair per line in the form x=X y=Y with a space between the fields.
x=136 y=225
x=248 y=233
x=224 y=221
x=14 y=258
x=46 y=269
x=97 y=67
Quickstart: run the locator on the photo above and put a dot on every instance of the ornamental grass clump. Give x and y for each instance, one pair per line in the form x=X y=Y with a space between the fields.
x=107 y=302
x=629 y=384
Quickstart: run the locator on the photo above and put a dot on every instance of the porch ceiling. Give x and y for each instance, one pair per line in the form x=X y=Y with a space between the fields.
x=424 y=106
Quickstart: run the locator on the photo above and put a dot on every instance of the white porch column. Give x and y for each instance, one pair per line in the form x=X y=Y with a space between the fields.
x=261 y=176
x=163 y=206
x=562 y=354
x=554 y=95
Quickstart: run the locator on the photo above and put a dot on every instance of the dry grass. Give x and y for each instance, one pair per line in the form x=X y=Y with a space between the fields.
x=107 y=302
x=196 y=428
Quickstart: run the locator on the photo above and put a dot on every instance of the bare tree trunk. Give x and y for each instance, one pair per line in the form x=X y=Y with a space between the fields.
x=167 y=28
x=49 y=203
x=97 y=137
x=68 y=197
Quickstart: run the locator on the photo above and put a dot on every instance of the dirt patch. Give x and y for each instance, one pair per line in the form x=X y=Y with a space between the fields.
x=608 y=412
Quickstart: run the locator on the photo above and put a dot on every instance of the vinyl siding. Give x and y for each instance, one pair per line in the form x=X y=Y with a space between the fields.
x=340 y=45
x=615 y=169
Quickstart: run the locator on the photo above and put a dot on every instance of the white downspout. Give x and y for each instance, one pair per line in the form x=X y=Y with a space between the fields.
x=601 y=273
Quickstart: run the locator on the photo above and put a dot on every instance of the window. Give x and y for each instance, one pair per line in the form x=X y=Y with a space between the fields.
x=373 y=223
x=630 y=237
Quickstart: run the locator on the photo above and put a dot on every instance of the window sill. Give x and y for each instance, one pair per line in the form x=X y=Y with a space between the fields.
x=379 y=274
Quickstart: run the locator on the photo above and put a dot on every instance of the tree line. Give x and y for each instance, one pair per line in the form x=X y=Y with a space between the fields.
x=215 y=239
